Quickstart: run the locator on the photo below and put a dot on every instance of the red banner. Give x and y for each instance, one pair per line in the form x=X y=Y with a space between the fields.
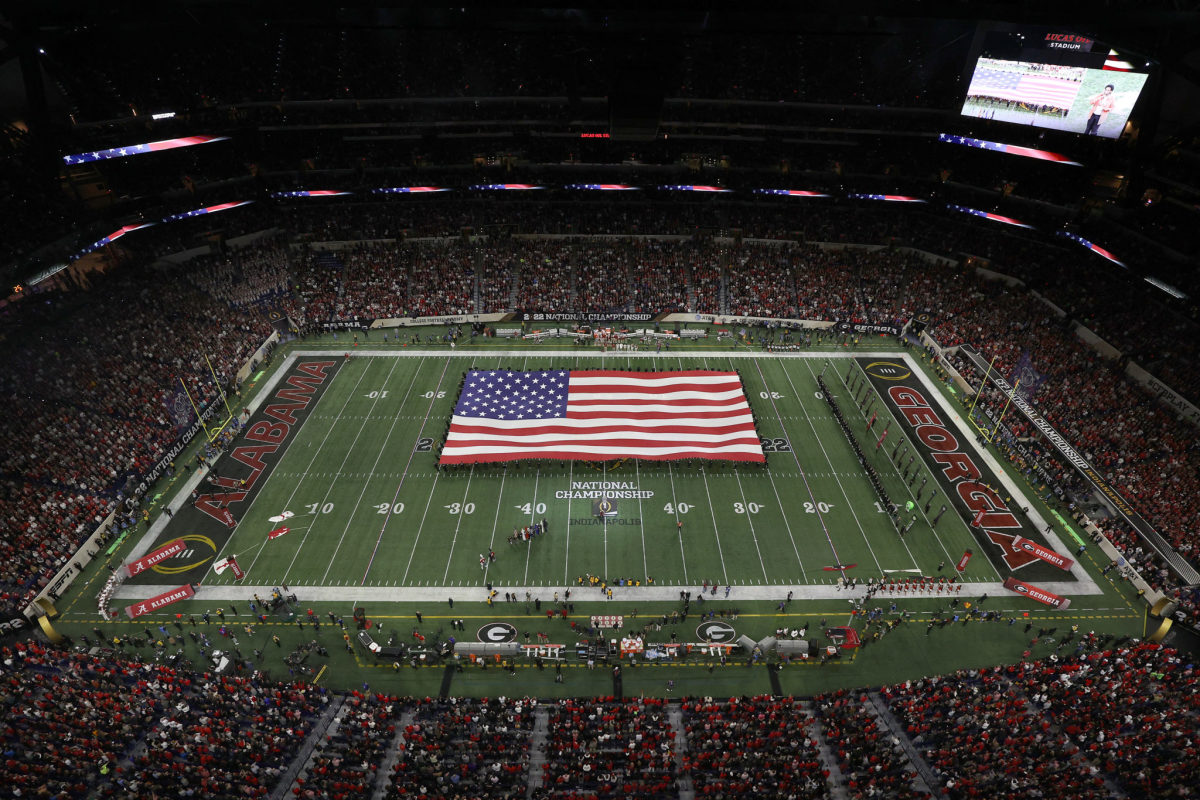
x=1041 y=595
x=275 y=534
x=237 y=571
x=1020 y=551
x=962 y=562
x=159 y=601
x=839 y=567
x=171 y=548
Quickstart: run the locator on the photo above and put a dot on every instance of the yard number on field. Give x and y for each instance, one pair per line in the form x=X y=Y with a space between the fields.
x=390 y=508
x=531 y=508
x=460 y=508
x=317 y=508
x=681 y=508
x=744 y=508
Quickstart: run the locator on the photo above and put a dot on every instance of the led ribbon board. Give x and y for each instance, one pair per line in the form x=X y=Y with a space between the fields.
x=311 y=193
x=509 y=187
x=1095 y=248
x=138 y=149
x=791 y=192
x=409 y=190
x=601 y=187
x=890 y=198
x=988 y=215
x=196 y=212
x=112 y=237
x=694 y=188
x=1010 y=149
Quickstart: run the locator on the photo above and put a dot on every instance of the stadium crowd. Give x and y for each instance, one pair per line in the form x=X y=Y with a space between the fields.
x=349 y=755
x=77 y=725
x=463 y=748
x=759 y=747
x=609 y=748
x=1090 y=723
x=1069 y=727
x=81 y=430
x=871 y=760
x=110 y=404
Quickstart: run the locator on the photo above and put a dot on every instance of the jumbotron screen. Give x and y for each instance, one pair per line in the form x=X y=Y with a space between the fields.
x=1051 y=79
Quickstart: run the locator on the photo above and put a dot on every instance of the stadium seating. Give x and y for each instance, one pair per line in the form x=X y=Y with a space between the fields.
x=457 y=748
x=105 y=402
x=610 y=749
x=1090 y=723
x=759 y=746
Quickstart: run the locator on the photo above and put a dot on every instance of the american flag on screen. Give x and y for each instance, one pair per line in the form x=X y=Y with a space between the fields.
x=596 y=415
x=1023 y=87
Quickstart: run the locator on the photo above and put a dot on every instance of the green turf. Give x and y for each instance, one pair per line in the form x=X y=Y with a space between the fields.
x=373 y=511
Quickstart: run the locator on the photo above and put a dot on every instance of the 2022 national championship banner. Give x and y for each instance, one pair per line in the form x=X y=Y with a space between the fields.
x=595 y=415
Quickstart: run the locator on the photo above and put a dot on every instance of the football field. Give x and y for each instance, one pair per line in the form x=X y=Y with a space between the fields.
x=348 y=446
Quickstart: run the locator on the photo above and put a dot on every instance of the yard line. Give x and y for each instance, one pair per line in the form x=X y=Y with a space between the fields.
x=637 y=475
x=495 y=522
x=361 y=427
x=604 y=518
x=746 y=506
x=675 y=505
x=896 y=472
x=804 y=477
x=532 y=512
x=461 y=513
x=387 y=517
x=787 y=525
x=778 y=499
x=382 y=450
x=835 y=475
x=311 y=461
x=711 y=510
x=420 y=526
x=567 y=554
x=836 y=478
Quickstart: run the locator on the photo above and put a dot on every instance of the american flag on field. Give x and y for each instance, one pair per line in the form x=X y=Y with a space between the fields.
x=596 y=415
x=1023 y=87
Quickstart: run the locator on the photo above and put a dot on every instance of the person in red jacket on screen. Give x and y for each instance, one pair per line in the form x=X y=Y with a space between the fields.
x=1101 y=104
